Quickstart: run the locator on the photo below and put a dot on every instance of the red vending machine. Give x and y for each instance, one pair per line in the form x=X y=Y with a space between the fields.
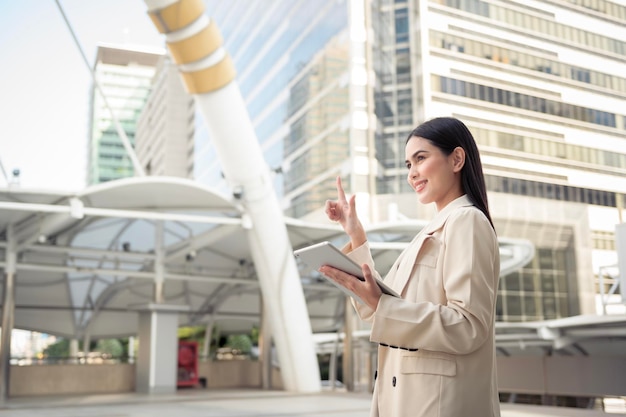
x=187 y=364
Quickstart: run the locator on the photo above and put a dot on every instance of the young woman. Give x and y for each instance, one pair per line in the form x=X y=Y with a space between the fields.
x=436 y=353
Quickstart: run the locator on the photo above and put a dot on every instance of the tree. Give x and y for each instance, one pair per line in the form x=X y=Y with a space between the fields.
x=60 y=349
x=240 y=342
x=111 y=347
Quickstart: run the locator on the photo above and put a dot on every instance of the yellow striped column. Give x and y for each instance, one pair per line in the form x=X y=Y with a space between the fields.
x=195 y=44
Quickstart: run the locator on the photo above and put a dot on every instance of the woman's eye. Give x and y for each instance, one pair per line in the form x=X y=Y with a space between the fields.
x=408 y=166
x=420 y=158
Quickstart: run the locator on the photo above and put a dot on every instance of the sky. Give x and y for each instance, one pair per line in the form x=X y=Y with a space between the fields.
x=44 y=82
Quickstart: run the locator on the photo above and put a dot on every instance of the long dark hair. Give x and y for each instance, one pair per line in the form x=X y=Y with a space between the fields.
x=446 y=133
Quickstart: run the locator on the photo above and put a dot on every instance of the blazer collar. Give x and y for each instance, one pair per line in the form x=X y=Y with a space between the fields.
x=406 y=261
x=441 y=217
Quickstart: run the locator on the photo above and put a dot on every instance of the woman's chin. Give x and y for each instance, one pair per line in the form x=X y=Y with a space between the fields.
x=423 y=199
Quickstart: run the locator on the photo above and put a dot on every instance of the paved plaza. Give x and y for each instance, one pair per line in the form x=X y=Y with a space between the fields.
x=232 y=403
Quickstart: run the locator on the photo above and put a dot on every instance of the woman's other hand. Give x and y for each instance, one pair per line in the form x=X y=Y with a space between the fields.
x=367 y=290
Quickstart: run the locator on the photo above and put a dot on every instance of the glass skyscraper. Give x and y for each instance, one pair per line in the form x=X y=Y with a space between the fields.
x=334 y=87
x=125 y=77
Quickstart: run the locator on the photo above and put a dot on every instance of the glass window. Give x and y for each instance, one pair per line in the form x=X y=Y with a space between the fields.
x=402 y=25
x=530 y=306
x=528 y=281
x=512 y=282
x=549 y=307
x=513 y=305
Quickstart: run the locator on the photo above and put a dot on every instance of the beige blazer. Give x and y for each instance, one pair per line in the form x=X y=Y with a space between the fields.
x=448 y=279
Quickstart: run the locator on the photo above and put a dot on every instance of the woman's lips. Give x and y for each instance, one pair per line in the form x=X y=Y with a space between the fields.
x=419 y=186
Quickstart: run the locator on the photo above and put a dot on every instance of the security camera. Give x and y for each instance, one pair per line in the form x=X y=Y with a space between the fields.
x=238 y=192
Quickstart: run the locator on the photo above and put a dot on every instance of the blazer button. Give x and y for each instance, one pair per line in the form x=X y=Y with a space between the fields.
x=393 y=381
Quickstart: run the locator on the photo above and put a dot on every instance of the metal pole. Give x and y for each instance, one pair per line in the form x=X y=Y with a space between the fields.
x=8 y=311
x=3 y=172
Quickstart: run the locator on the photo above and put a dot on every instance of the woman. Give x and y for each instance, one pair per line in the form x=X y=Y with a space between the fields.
x=436 y=353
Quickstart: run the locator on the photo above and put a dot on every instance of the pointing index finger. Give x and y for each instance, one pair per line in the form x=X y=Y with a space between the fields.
x=341 y=195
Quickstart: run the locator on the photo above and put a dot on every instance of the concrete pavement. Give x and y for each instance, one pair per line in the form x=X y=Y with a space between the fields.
x=232 y=403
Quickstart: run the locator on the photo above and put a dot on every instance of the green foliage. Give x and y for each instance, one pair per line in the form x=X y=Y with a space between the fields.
x=254 y=335
x=112 y=347
x=60 y=349
x=191 y=333
x=240 y=342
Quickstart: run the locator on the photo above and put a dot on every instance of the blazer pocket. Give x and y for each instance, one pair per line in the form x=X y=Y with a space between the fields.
x=429 y=363
x=426 y=260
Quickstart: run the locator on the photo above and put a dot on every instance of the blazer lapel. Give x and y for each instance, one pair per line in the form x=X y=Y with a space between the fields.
x=406 y=261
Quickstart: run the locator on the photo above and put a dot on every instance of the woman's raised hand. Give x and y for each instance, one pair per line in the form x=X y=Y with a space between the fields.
x=343 y=211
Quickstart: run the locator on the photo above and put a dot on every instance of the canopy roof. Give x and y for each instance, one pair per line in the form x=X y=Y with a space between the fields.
x=86 y=261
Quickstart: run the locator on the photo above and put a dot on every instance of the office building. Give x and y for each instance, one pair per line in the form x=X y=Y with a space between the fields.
x=124 y=76
x=334 y=87
x=164 y=139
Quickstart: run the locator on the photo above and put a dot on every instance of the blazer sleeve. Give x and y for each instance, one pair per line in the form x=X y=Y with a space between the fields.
x=362 y=255
x=469 y=264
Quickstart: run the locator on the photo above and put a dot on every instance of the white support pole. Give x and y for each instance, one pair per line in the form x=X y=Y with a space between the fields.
x=265 y=348
x=620 y=240
x=196 y=46
x=332 y=367
x=348 y=350
x=208 y=337
x=86 y=342
x=8 y=312
x=131 y=349
x=159 y=264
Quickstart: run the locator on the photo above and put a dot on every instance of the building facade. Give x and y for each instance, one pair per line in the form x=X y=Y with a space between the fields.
x=334 y=87
x=124 y=76
x=164 y=139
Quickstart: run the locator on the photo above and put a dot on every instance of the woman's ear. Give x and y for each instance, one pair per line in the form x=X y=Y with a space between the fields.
x=458 y=159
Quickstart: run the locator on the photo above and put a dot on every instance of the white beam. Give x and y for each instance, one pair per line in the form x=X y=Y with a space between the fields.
x=128 y=273
x=123 y=214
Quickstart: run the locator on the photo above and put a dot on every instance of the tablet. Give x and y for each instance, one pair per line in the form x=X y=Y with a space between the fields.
x=325 y=253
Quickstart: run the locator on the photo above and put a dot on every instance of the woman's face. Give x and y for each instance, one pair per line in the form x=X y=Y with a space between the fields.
x=435 y=177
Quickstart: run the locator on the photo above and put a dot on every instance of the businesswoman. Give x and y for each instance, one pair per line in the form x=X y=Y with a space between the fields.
x=436 y=347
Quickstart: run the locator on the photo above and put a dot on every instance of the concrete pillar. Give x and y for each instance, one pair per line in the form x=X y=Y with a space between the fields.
x=157 y=358
x=73 y=350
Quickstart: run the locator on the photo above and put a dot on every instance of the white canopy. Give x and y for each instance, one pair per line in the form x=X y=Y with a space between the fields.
x=87 y=260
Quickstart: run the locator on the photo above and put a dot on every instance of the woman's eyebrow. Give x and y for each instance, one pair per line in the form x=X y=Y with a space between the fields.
x=415 y=154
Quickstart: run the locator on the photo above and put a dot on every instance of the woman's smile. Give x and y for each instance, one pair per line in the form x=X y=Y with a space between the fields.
x=418 y=186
